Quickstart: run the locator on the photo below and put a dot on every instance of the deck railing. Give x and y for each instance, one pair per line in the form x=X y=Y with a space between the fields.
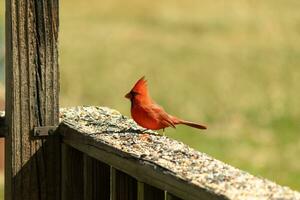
x=107 y=156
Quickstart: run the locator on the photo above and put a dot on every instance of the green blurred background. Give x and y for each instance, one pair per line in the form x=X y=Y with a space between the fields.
x=231 y=64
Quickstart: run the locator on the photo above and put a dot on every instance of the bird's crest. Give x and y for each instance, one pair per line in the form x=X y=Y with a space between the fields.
x=140 y=86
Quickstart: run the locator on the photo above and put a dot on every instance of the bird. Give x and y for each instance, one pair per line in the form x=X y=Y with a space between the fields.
x=148 y=114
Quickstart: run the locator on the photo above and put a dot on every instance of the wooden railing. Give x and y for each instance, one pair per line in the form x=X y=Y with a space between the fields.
x=107 y=156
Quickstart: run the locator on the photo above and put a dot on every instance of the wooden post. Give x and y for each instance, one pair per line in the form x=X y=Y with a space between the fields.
x=32 y=88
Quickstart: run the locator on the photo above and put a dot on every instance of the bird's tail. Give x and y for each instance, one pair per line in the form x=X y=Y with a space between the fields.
x=192 y=124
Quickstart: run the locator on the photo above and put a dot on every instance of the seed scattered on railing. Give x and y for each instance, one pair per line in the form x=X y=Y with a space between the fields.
x=110 y=127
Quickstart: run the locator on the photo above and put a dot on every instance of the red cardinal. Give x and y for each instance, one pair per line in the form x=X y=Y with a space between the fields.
x=148 y=114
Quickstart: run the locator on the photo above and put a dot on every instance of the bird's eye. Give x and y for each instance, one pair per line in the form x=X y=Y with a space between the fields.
x=134 y=93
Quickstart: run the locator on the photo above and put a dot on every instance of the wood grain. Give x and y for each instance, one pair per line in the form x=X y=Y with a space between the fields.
x=32 y=89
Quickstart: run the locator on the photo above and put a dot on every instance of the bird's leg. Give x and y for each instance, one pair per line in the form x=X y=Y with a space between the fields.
x=163 y=131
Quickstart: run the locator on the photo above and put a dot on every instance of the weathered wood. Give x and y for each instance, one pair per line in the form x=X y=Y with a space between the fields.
x=32 y=87
x=159 y=161
x=72 y=174
x=96 y=179
x=142 y=171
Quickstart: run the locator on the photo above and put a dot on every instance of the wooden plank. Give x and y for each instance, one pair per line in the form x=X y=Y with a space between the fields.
x=96 y=179
x=144 y=172
x=32 y=90
x=72 y=173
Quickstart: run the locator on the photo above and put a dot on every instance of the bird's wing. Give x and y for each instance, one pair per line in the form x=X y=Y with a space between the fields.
x=163 y=117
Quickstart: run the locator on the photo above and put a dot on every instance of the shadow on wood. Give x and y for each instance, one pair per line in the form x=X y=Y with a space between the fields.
x=36 y=179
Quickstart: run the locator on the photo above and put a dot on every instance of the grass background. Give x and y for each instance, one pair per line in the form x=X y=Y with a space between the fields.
x=234 y=65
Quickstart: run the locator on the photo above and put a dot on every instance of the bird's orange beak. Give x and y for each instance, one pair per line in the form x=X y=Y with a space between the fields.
x=128 y=95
